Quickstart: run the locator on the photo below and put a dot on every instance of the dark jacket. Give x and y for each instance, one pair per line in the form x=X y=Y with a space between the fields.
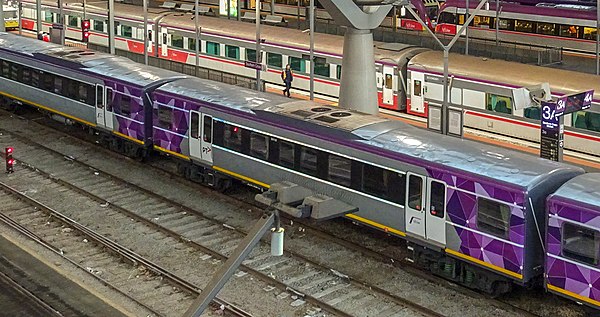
x=287 y=75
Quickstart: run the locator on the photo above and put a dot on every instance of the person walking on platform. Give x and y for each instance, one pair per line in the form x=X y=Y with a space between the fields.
x=288 y=76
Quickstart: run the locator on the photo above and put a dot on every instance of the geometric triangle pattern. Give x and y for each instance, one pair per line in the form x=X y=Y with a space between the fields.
x=462 y=210
x=581 y=279
x=172 y=138
x=131 y=125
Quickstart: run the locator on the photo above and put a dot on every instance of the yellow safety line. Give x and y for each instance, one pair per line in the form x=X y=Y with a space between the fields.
x=491 y=266
x=236 y=175
x=171 y=152
x=127 y=137
x=375 y=224
x=48 y=109
x=571 y=294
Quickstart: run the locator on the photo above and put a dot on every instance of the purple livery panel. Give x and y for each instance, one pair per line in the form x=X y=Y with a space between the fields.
x=569 y=277
x=501 y=254
x=172 y=138
x=131 y=125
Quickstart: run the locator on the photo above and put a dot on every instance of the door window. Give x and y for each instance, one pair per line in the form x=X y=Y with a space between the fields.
x=417 y=88
x=415 y=192
x=437 y=205
x=388 y=81
x=195 y=124
x=99 y=97
x=207 y=137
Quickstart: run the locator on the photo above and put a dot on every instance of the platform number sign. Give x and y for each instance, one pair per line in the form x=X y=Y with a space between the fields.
x=552 y=127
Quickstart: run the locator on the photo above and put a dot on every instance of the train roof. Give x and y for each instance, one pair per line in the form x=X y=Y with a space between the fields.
x=583 y=188
x=564 y=11
x=383 y=136
x=100 y=63
x=506 y=73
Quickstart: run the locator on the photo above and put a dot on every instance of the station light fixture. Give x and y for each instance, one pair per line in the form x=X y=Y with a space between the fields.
x=10 y=161
x=85 y=30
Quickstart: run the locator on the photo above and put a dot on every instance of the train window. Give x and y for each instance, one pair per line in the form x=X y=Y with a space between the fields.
x=506 y=24
x=546 y=28
x=109 y=99
x=580 y=243
x=447 y=17
x=482 y=22
x=338 y=71
x=321 y=68
x=213 y=48
x=498 y=103
x=308 y=161
x=286 y=154
x=389 y=79
x=48 y=16
x=48 y=82
x=98 y=26
x=589 y=33
x=415 y=192
x=274 y=60
x=417 y=87
x=82 y=93
x=58 y=85
x=125 y=105
x=384 y=183
x=71 y=88
x=99 y=97
x=297 y=64
x=250 y=55
x=232 y=51
x=586 y=120
x=5 y=69
x=15 y=70
x=126 y=31
x=192 y=44
x=177 y=40
x=195 y=125
x=493 y=217
x=232 y=138
x=523 y=26
x=207 y=129
x=26 y=76
x=569 y=31
x=437 y=199
x=35 y=78
x=165 y=117
x=339 y=170
x=259 y=145
x=532 y=113
x=73 y=21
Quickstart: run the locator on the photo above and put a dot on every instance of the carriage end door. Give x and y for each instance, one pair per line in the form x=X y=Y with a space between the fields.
x=414 y=205
x=108 y=109
x=435 y=212
x=417 y=97
x=100 y=103
x=195 y=129
x=207 y=135
x=164 y=42
x=388 y=85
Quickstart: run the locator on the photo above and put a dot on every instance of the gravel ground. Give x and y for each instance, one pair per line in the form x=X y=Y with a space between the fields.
x=383 y=275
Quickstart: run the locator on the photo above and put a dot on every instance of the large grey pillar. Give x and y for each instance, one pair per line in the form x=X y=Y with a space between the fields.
x=38 y=15
x=2 y=28
x=111 y=26
x=358 y=89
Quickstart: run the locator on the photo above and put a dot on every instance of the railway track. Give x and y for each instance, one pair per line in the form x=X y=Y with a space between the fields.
x=341 y=241
x=309 y=281
x=40 y=305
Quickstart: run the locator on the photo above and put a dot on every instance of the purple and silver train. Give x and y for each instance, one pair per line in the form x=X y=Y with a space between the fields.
x=483 y=216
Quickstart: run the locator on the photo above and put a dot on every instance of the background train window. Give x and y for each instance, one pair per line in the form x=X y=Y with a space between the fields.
x=48 y=82
x=506 y=24
x=580 y=243
x=58 y=85
x=498 y=103
x=126 y=31
x=48 y=16
x=546 y=28
x=415 y=192
x=532 y=113
x=389 y=79
x=384 y=183
x=524 y=26
x=98 y=26
x=569 y=30
x=417 y=87
x=232 y=51
x=165 y=117
x=15 y=70
x=213 y=48
x=286 y=154
x=275 y=60
x=250 y=54
x=26 y=76
x=232 y=137
x=308 y=161
x=5 y=69
x=191 y=44
x=73 y=21
x=72 y=88
x=321 y=68
x=207 y=129
x=297 y=64
x=586 y=120
x=125 y=105
x=482 y=22
x=35 y=78
x=259 y=145
x=437 y=199
x=339 y=170
x=589 y=33
x=176 y=40
x=493 y=217
x=338 y=71
x=195 y=125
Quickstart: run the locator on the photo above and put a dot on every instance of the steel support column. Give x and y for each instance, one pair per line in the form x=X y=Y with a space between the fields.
x=111 y=26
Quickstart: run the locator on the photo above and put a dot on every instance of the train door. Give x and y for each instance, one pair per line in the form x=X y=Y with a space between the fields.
x=201 y=136
x=414 y=205
x=417 y=97
x=435 y=211
x=150 y=38
x=164 y=41
x=388 y=85
x=108 y=109
x=100 y=102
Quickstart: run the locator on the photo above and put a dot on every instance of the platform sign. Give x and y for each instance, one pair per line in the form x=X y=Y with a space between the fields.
x=551 y=144
x=574 y=102
x=255 y=65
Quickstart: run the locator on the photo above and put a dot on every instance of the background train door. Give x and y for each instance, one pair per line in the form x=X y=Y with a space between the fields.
x=425 y=208
x=164 y=42
x=201 y=136
x=388 y=85
x=417 y=104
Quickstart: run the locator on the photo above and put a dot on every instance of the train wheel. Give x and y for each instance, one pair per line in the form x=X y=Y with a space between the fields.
x=500 y=287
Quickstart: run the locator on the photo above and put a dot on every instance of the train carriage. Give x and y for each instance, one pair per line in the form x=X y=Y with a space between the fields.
x=573 y=240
